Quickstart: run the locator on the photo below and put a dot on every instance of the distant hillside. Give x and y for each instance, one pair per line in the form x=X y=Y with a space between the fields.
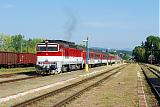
x=127 y=49
x=124 y=51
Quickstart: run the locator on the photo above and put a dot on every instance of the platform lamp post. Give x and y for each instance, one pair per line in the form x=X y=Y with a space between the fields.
x=151 y=53
x=86 y=65
x=115 y=56
x=107 y=54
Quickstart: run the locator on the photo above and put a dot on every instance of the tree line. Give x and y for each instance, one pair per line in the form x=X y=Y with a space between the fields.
x=150 y=46
x=18 y=43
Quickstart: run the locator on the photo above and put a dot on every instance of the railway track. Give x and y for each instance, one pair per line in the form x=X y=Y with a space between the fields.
x=6 y=75
x=157 y=72
x=66 y=94
x=18 y=79
x=14 y=74
x=31 y=75
x=153 y=79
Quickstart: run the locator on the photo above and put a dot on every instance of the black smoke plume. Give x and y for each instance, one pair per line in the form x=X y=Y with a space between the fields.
x=70 y=24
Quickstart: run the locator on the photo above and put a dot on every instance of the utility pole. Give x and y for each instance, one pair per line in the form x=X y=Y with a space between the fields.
x=21 y=45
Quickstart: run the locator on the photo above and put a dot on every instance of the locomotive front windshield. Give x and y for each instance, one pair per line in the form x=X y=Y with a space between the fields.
x=41 y=48
x=52 y=48
x=47 y=47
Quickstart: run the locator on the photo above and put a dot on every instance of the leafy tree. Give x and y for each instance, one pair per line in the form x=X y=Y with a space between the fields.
x=6 y=43
x=18 y=43
x=32 y=44
x=139 y=53
x=152 y=43
x=142 y=52
x=126 y=56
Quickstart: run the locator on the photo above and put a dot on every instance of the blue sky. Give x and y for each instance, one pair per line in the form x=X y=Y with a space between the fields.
x=108 y=23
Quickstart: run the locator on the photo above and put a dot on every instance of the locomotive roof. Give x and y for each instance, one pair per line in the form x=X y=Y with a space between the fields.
x=71 y=44
x=65 y=43
x=60 y=42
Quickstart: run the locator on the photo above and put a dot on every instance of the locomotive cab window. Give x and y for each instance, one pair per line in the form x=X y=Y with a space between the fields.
x=41 y=48
x=49 y=47
x=52 y=47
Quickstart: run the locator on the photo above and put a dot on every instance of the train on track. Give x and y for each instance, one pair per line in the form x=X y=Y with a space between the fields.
x=14 y=59
x=56 y=56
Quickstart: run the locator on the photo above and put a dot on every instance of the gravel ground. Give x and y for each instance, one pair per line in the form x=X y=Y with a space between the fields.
x=22 y=86
x=120 y=91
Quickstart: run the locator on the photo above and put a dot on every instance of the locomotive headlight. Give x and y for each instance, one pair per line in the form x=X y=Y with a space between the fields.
x=39 y=62
x=53 y=63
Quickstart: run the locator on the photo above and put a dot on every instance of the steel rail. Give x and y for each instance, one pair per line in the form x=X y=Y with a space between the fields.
x=70 y=98
x=6 y=75
x=154 y=88
x=14 y=74
x=39 y=98
x=155 y=71
x=18 y=79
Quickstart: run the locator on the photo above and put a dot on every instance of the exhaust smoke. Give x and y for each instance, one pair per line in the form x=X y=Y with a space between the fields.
x=70 y=24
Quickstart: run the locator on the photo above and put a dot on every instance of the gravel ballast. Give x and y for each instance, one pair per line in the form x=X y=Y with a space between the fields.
x=22 y=86
x=119 y=91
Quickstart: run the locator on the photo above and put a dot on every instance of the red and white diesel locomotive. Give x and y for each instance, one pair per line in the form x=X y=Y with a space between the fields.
x=55 y=56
